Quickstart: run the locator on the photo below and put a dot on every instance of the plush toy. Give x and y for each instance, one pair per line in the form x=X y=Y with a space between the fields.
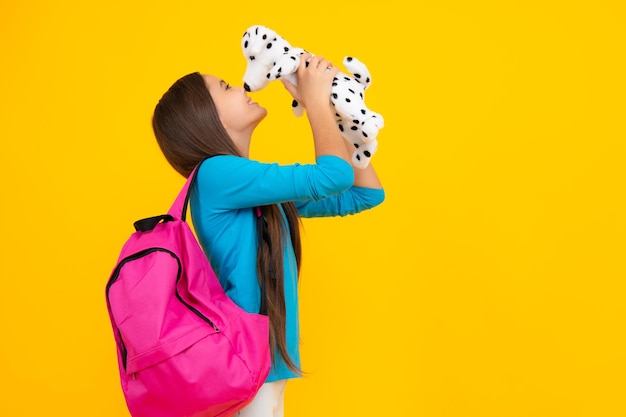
x=270 y=57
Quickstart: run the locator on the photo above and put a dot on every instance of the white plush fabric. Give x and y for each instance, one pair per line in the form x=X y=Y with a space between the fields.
x=270 y=57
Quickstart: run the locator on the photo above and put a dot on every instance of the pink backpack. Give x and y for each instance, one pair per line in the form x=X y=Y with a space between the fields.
x=183 y=347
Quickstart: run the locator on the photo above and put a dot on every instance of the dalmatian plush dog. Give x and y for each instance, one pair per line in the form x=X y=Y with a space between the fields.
x=270 y=57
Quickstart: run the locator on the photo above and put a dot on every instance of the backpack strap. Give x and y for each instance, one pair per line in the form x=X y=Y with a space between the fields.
x=145 y=225
x=261 y=231
x=179 y=208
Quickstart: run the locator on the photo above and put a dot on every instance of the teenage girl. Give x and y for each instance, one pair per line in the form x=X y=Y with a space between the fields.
x=202 y=116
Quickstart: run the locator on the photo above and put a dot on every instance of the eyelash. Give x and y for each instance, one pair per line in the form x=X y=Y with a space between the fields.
x=227 y=86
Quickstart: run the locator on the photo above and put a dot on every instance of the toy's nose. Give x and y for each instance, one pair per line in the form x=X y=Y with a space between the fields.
x=246 y=87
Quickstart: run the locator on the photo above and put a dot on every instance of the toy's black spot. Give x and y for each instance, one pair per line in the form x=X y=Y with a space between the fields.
x=264 y=37
x=368 y=80
x=269 y=45
x=341 y=128
x=363 y=111
x=337 y=114
x=351 y=90
x=268 y=75
x=354 y=128
x=275 y=39
x=286 y=49
x=252 y=58
x=357 y=75
x=256 y=32
x=294 y=103
x=364 y=134
x=334 y=84
x=367 y=153
x=280 y=70
x=355 y=121
x=335 y=79
x=347 y=100
x=358 y=157
x=293 y=57
x=245 y=45
x=349 y=59
x=356 y=145
x=334 y=95
x=346 y=78
x=361 y=94
x=277 y=76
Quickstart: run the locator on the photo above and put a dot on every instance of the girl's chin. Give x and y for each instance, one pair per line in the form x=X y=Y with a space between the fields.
x=261 y=116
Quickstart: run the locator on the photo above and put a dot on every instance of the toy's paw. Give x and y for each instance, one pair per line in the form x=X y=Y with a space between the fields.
x=361 y=130
x=286 y=64
x=358 y=70
x=363 y=153
x=371 y=126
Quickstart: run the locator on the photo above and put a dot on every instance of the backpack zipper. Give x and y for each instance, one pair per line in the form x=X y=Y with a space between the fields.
x=135 y=256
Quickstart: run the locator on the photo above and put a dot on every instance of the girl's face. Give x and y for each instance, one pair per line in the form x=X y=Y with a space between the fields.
x=238 y=113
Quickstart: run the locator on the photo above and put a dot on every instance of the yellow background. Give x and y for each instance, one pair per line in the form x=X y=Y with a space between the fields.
x=491 y=282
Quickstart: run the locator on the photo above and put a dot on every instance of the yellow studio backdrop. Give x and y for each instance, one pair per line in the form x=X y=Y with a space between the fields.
x=491 y=282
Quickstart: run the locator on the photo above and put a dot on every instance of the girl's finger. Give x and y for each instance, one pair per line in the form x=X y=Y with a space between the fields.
x=305 y=59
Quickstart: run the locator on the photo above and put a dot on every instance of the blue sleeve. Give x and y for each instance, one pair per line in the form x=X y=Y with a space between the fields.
x=233 y=182
x=352 y=201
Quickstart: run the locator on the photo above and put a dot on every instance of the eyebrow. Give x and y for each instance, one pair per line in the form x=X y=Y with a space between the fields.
x=222 y=83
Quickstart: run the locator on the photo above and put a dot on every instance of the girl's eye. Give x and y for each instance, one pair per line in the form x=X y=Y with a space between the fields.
x=228 y=86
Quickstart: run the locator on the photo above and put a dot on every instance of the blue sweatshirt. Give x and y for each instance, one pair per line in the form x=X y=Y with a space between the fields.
x=223 y=198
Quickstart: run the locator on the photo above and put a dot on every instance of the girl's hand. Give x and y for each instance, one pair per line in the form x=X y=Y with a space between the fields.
x=315 y=77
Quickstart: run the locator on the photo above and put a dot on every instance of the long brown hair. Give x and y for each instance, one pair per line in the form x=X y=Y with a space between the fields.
x=188 y=130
